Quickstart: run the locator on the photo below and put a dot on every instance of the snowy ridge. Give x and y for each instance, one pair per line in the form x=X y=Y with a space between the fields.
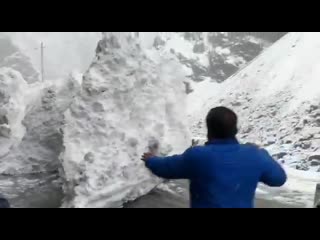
x=127 y=102
x=214 y=55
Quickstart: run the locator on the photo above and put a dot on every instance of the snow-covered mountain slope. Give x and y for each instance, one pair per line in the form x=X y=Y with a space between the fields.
x=277 y=98
x=11 y=56
x=214 y=55
x=204 y=54
x=130 y=100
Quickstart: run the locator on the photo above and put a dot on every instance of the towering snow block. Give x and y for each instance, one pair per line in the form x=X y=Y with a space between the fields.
x=127 y=102
x=278 y=100
x=32 y=116
x=12 y=109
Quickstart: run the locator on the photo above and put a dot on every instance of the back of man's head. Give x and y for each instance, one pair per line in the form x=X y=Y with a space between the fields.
x=222 y=123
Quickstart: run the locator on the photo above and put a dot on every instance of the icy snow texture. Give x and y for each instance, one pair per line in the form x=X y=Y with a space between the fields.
x=12 y=109
x=129 y=99
x=35 y=116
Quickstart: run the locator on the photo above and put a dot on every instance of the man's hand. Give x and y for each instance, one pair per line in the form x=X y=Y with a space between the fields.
x=146 y=156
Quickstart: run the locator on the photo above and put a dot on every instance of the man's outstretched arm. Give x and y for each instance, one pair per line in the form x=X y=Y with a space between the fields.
x=273 y=174
x=174 y=167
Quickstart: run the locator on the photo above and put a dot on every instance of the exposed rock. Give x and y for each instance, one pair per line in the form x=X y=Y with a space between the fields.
x=199 y=47
x=307 y=137
x=188 y=87
x=314 y=163
x=303 y=167
x=236 y=104
x=247 y=129
x=279 y=155
x=5 y=131
x=314 y=157
x=303 y=145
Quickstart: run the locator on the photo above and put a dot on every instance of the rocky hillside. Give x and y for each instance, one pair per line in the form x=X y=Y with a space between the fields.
x=277 y=98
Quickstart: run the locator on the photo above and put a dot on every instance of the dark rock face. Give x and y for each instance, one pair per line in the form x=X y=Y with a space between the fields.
x=314 y=157
x=315 y=163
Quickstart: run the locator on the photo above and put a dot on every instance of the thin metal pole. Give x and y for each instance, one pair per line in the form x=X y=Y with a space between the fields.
x=42 y=62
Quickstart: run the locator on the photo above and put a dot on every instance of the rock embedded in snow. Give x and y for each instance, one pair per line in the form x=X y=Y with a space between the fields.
x=279 y=155
x=314 y=157
x=129 y=98
x=314 y=163
x=302 y=167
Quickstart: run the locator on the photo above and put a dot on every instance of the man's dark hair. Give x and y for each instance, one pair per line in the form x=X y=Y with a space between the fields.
x=222 y=123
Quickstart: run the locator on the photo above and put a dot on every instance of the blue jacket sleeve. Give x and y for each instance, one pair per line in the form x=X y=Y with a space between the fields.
x=174 y=167
x=273 y=174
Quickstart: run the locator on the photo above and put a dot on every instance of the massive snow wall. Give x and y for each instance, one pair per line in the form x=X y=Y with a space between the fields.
x=129 y=100
x=12 y=109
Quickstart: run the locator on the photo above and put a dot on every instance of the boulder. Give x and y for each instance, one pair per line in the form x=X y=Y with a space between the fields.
x=314 y=157
x=315 y=163
x=303 y=167
x=279 y=155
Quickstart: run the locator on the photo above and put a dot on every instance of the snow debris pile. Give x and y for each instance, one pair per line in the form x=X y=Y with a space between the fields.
x=12 y=109
x=31 y=123
x=130 y=99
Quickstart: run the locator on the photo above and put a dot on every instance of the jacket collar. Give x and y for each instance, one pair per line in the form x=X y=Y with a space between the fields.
x=223 y=141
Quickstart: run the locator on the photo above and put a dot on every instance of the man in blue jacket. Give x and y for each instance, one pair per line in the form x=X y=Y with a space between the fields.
x=223 y=173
